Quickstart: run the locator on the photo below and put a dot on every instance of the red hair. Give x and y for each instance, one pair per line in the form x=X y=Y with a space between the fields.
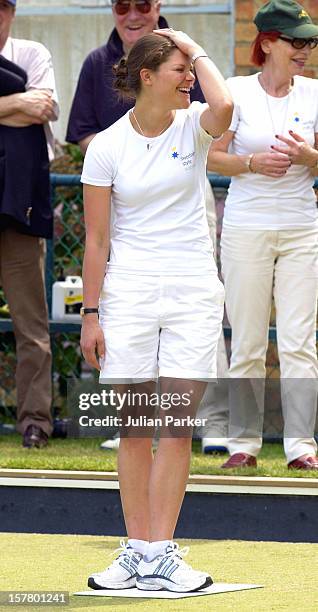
x=257 y=55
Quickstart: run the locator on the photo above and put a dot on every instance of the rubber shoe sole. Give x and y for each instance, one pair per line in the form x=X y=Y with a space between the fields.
x=128 y=584
x=151 y=583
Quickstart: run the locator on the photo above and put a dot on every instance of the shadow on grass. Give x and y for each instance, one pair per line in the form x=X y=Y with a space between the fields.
x=82 y=601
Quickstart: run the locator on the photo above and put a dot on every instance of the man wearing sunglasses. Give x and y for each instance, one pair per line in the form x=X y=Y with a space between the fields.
x=95 y=105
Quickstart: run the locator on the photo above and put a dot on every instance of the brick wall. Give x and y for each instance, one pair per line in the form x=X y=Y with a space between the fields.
x=245 y=32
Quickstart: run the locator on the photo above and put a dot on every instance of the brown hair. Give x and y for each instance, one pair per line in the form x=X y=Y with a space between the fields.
x=150 y=52
x=257 y=55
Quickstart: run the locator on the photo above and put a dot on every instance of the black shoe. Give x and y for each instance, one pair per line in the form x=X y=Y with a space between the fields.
x=34 y=437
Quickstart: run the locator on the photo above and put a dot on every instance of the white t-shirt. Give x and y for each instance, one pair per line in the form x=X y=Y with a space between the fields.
x=255 y=200
x=158 y=195
x=36 y=60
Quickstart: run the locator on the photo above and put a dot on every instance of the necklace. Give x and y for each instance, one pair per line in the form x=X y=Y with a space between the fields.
x=142 y=133
x=276 y=131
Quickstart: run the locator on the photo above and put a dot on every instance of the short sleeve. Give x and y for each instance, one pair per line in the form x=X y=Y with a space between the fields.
x=99 y=162
x=83 y=119
x=195 y=110
x=40 y=71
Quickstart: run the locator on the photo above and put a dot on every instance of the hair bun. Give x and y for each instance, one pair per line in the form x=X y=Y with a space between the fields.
x=121 y=69
x=120 y=84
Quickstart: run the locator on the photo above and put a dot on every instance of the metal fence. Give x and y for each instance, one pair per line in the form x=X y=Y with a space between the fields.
x=64 y=257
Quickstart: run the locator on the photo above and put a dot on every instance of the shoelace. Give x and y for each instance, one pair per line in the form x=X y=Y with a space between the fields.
x=179 y=552
x=124 y=551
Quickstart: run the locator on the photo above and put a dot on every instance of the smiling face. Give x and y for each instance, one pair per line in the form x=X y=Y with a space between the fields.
x=283 y=57
x=172 y=82
x=7 y=13
x=134 y=24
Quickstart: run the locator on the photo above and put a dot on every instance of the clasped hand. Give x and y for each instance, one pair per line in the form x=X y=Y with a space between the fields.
x=276 y=162
x=270 y=163
x=38 y=104
x=299 y=152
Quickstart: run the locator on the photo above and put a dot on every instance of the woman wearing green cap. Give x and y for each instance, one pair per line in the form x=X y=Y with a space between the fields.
x=270 y=236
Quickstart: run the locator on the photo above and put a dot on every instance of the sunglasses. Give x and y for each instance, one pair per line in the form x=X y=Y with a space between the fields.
x=301 y=43
x=122 y=7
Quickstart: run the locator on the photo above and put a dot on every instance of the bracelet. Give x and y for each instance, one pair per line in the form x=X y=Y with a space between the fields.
x=198 y=54
x=248 y=163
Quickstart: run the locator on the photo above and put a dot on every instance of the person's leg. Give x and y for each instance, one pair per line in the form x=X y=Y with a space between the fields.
x=247 y=266
x=22 y=273
x=135 y=461
x=214 y=410
x=163 y=566
x=296 y=294
x=147 y=482
x=170 y=470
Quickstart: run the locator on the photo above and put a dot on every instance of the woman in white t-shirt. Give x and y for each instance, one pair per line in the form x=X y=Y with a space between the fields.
x=270 y=239
x=160 y=302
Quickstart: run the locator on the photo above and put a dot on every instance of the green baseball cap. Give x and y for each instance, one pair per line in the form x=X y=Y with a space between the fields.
x=287 y=17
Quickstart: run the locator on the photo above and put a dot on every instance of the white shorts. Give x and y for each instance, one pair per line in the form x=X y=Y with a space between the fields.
x=160 y=326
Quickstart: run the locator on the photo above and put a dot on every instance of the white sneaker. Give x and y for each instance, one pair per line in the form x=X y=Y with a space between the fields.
x=112 y=443
x=169 y=572
x=121 y=574
x=214 y=445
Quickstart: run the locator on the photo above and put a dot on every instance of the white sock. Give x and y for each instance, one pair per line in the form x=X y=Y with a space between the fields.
x=139 y=546
x=156 y=548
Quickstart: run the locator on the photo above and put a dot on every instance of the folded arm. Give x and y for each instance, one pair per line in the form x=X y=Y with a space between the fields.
x=27 y=108
x=269 y=163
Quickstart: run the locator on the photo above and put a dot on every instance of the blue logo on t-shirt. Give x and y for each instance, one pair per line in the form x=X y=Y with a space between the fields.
x=175 y=155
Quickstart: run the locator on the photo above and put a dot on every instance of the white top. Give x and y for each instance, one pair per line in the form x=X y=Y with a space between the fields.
x=255 y=200
x=158 y=195
x=36 y=60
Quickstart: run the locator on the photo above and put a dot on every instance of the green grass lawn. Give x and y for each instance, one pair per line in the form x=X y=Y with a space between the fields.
x=86 y=455
x=288 y=572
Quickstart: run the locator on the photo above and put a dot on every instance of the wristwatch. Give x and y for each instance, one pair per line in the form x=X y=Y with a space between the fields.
x=85 y=311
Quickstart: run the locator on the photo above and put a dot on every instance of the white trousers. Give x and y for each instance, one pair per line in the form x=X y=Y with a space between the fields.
x=257 y=264
x=214 y=409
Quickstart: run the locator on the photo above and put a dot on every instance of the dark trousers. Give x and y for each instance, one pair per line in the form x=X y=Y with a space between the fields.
x=22 y=260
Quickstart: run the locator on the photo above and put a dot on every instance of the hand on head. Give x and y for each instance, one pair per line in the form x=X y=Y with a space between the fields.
x=186 y=45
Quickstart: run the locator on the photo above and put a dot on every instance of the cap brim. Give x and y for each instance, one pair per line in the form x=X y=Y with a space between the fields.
x=306 y=30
